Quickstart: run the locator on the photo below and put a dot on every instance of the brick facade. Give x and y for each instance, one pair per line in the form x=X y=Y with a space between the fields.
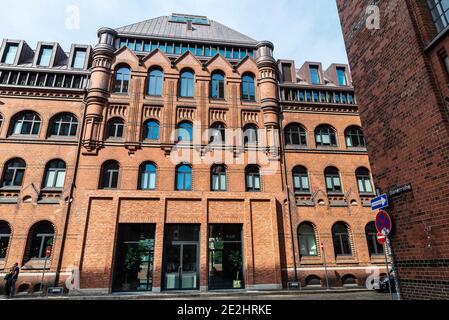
x=87 y=227
x=402 y=86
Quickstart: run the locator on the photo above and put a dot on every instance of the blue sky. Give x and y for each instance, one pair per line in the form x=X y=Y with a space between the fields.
x=302 y=30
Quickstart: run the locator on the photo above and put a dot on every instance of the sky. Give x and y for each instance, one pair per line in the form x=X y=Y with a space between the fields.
x=301 y=30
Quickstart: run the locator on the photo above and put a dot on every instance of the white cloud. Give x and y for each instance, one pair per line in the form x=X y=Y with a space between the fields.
x=301 y=30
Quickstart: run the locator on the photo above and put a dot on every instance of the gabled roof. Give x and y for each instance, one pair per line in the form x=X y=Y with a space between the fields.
x=166 y=27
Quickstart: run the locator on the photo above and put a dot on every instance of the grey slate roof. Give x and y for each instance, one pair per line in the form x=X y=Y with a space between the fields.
x=162 y=27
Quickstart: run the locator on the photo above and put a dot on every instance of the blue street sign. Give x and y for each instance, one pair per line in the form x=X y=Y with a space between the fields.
x=380 y=202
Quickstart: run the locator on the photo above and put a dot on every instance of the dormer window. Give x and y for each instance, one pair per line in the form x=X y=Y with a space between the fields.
x=10 y=53
x=79 y=59
x=314 y=75
x=45 y=56
x=341 y=75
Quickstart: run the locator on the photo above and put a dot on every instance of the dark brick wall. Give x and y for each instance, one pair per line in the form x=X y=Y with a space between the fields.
x=401 y=89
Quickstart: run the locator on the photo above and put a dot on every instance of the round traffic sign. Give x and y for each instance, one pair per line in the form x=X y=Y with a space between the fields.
x=383 y=223
x=381 y=238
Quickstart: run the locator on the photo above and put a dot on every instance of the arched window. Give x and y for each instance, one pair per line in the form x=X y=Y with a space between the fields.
x=253 y=180
x=41 y=238
x=218 y=86
x=155 y=82
x=295 y=135
x=122 y=78
x=342 y=241
x=64 y=125
x=218 y=178
x=333 y=182
x=217 y=134
x=374 y=247
x=355 y=137
x=115 y=128
x=13 y=173
x=349 y=281
x=109 y=175
x=364 y=180
x=185 y=132
x=325 y=136
x=26 y=123
x=307 y=240
x=313 y=281
x=187 y=87
x=184 y=178
x=248 y=88
x=5 y=236
x=147 y=179
x=151 y=130
x=55 y=175
x=250 y=135
x=301 y=179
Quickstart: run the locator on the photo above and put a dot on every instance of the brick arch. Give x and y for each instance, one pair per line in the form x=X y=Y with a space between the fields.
x=27 y=249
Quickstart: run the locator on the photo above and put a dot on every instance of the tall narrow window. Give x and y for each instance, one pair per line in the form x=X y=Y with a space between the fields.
x=151 y=130
x=253 y=180
x=184 y=178
x=5 y=235
x=218 y=86
x=248 y=88
x=341 y=76
x=187 y=87
x=115 y=128
x=342 y=241
x=364 y=180
x=1 y=121
x=45 y=56
x=217 y=134
x=185 y=132
x=333 y=182
x=301 y=179
x=122 y=78
x=325 y=136
x=440 y=13
x=79 y=58
x=64 y=125
x=55 y=175
x=155 y=82
x=10 y=53
x=314 y=75
x=250 y=135
x=307 y=240
x=218 y=178
x=13 y=173
x=374 y=247
x=109 y=175
x=41 y=238
x=27 y=124
x=147 y=176
x=355 y=137
x=295 y=135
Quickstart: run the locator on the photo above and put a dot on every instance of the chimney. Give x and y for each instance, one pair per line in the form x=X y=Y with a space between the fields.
x=189 y=25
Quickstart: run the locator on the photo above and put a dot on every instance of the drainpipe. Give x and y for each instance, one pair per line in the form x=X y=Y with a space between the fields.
x=287 y=187
x=72 y=186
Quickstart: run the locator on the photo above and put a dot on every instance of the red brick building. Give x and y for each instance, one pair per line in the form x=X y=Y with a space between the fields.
x=401 y=72
x=193 y=161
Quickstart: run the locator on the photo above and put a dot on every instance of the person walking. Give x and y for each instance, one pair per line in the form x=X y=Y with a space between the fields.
x=7 y=280
x=15 y=270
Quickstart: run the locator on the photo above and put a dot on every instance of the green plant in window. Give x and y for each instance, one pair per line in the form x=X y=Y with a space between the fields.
x=235 y=258
x=132 y=262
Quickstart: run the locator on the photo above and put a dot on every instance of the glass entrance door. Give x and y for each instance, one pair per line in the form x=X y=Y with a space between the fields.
x=181 y=258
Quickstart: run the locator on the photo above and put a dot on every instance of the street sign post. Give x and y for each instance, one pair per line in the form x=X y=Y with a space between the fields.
x=325 y=264
x=380 y=202
x=383 y=223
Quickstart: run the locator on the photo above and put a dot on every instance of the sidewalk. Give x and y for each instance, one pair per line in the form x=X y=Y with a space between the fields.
x=193 y=295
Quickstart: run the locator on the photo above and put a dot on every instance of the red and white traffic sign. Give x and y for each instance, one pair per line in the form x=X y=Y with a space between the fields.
x=48 y=251
x=381 y=238
x=322 y=246
x=383 y=223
